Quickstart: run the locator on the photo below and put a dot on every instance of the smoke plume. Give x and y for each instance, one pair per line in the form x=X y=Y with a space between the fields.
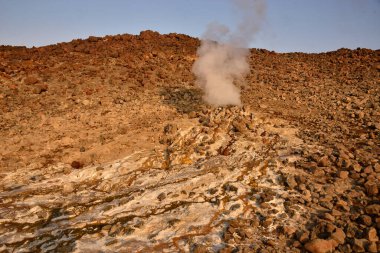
x=223 y=54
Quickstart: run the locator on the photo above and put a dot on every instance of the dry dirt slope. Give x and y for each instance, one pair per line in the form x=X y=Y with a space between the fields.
x=107 y=140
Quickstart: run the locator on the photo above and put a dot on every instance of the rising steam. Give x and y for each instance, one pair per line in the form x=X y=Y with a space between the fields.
x=222 y=56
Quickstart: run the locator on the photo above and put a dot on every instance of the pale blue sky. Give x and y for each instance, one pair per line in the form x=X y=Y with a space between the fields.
x=290 y=25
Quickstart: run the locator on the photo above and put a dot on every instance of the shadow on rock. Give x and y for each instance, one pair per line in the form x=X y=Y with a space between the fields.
x=185 y=100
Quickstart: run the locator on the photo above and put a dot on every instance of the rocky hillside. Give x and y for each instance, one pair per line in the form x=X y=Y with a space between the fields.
x=107 y=146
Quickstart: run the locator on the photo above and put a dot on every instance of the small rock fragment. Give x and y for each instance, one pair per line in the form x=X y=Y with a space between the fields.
x=76 y=165
x=304 y=236
x=371 y=188
x=321 y=246
x=339 y=236
x=324 y=161
x=291 y=182
x=161 y=196
x=343 y=174
x=372 y=235
x=328 y=217
x=359 y=245
x=373 y=209
x=68 y=188
x=30 y=80
x=372 y=247
x=366 y=220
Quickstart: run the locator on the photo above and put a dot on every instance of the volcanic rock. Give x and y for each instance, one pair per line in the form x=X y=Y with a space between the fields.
x=321 y=246
x=298 y=162
x=339 y=236
x=372 y=235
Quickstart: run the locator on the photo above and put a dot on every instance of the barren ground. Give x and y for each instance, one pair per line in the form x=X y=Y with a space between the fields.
x=107 y=146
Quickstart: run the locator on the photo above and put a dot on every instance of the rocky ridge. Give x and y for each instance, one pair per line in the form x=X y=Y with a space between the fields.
x=107 y=140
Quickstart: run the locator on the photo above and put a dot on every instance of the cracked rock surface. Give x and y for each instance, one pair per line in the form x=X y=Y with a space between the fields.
x=190 y=193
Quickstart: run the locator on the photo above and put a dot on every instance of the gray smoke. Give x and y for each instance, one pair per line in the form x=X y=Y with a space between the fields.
x=223 y=54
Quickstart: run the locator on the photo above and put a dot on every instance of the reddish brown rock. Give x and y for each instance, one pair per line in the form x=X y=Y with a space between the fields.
x=366 y=220
x=321 y=246
x=31 y=80
x=76 y=164
x=339 y=236
x=372 y=247
x=343 y=174
x=324 y=161
x=371 y=188
x=372 y=235
x=289 y=230
x=373 y=209
x=39 y=88
x=359 y=245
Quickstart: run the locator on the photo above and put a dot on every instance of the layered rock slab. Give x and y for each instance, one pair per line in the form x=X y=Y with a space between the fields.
x=227 y=169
